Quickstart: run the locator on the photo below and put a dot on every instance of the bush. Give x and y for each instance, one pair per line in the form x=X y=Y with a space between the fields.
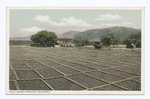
x=129 y=46
x=37 y=45
x=97 y=45
x=19 y=42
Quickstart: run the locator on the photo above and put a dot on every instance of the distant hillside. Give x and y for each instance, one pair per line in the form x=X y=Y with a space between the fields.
x=27 y=38
x=95 y=34
x=71 y=33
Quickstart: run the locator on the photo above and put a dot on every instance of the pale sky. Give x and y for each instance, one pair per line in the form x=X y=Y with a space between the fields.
x=28 y=22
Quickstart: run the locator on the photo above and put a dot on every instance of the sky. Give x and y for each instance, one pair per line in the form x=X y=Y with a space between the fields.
x=25 y=22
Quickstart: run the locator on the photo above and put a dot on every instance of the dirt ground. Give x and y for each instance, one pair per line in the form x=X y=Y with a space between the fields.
x=52 y=68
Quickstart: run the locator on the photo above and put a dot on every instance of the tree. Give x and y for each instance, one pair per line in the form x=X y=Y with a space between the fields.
x=134 y=38
x=114 y=41
x=106 y=40
x=76 y=40
x=128 y=43
x=85 y=41
x=80 y=41
x=44 y=38
x=138 y=43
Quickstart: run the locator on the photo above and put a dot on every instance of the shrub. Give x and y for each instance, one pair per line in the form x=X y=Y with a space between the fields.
x=97 y=45
x=37 y=45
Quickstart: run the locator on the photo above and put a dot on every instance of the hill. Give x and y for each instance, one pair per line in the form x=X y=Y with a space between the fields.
x=27 y=38
x=95 y=34
x=71 y=33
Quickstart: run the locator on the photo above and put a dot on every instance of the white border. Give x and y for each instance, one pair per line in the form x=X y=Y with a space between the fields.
x=142 y=92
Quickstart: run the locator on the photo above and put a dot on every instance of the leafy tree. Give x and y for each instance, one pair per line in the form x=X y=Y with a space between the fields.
x=85 y=41
x=135 y=35
x=114 y=41
x=134 y=38
x=128 y=43
x=44 y=38
x=76 y=40
x=112 y=36
x=138 y=43
x=106 y=40
x=80 y=41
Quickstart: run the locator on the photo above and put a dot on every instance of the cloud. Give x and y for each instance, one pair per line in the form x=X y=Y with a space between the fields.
x=128 y=23
x=110 y=24
x=117 y=24
x=64 y=22
x=108 y=17
x=71 y=21
x=42 y=18
x=22 y=32
x=32 y=29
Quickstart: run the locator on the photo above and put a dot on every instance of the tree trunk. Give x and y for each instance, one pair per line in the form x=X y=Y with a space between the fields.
x=44 y=44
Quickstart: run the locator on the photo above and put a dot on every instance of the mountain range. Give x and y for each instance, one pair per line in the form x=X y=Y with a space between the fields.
x=95 y=34
x=71 y=33
x=26 y=38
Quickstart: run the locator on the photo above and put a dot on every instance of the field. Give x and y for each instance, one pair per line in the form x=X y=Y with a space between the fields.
x=32 y=68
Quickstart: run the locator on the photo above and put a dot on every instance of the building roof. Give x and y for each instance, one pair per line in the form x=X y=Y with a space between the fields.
x=65 y=36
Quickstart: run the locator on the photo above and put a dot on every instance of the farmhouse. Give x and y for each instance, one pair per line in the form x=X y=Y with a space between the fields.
x=65 y=40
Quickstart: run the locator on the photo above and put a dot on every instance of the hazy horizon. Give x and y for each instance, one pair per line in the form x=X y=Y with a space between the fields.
x=76 y=31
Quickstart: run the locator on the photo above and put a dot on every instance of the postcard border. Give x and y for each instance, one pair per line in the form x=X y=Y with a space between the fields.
x=142 y=92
